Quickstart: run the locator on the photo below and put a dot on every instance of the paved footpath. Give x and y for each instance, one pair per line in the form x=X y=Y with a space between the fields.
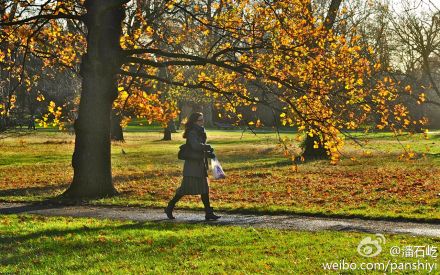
x=290 y=222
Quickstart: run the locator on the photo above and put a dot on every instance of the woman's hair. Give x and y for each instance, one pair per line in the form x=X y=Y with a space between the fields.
x=191 y=121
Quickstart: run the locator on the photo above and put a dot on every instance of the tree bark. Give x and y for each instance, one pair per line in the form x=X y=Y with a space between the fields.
x=166 y=134
x=332 y=14
x=171 y=128
x=116 y=133
x=311 y=153
x=91 y=159
x=207 y=113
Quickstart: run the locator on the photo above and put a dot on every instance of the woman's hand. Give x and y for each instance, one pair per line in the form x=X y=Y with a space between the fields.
x=208 y=148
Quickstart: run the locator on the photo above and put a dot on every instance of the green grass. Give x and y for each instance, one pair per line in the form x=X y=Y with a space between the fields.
x=368 y=182
x=50 y=245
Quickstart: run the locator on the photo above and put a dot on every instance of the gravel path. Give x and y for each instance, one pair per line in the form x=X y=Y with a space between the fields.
x=291 y=222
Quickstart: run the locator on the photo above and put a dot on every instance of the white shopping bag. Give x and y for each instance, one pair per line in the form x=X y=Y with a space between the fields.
x=217 y=170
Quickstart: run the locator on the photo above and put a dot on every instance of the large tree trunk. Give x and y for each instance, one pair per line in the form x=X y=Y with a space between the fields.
x=91 y=159
x=309 y=150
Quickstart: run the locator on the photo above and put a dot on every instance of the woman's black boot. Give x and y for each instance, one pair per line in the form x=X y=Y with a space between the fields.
x=169 y=209
x=210 y=216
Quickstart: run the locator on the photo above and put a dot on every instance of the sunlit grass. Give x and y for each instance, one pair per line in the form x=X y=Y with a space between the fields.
x=43 y=245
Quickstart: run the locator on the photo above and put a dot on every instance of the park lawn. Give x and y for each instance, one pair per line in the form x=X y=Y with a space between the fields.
x=368 y=182
x=51 y=245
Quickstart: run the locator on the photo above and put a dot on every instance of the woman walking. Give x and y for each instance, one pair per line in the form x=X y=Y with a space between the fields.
x=195 y=175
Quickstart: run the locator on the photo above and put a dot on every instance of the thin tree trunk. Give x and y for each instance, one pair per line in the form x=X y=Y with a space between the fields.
x=166 y=134
x=171 y=128
x=310 y=152
x=91 y=159
x=179 y=123
x=207 y=112
x=116 y=133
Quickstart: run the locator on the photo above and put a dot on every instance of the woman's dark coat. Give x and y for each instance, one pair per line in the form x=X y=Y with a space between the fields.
x=196 y=139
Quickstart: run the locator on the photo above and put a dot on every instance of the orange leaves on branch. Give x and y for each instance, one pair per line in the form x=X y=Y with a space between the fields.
x=321 y=78
x=421 y=98
x=324 y=80
x=143 y=101
x=40 y=98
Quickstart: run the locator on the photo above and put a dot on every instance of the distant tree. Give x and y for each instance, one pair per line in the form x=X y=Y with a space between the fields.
x=418 y=44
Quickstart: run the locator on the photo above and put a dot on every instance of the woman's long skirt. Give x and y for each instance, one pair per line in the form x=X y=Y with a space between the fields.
x=193 y=186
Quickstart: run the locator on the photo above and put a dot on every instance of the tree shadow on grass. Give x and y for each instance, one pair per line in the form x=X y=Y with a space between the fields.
x=53 y=190
x=242 y=141
x=108 y=242
x=32 y=191
x=50 y=235
x=435 y=156
x=145 y=175
x=259 y=164
x=63 y=232
x=27 y=208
